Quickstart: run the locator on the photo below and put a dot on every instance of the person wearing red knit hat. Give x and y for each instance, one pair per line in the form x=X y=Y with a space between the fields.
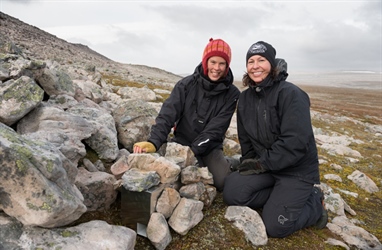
x=217 y=48
x=200 y=108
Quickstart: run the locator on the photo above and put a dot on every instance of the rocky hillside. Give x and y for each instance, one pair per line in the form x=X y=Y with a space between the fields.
x=38 y=44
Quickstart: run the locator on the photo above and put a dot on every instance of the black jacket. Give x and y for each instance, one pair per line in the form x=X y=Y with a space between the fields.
x=274 y=125
x=202 y=111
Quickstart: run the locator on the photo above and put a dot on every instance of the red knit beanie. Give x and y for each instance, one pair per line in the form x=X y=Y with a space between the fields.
x=216 y=47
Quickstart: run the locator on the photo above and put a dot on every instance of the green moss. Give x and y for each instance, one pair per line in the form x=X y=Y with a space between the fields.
x=67 y=195
x=60 y=100
x=49 y=165
x=37 y=64
x=24 y=155
x=47 y=205
x=119 y=82
x=91 y=154
x=21 y=166
x=32 y=207
x=68 y=233
x=50 y=244
x=64 y=81
x=30 y=93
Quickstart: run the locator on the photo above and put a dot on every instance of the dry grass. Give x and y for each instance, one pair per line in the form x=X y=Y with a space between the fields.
x=365 y=105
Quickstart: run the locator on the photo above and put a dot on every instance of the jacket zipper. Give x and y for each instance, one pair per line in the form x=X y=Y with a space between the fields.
x=266 y=125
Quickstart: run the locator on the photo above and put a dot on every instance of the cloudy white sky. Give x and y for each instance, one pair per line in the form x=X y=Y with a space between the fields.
x=312 y=36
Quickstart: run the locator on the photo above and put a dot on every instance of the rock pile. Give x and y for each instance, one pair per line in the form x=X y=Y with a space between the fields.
x=185 y=190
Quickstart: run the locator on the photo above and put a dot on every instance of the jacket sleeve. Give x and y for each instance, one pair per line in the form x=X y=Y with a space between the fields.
x=214 y=132
x=169 y=113
x=295 y=131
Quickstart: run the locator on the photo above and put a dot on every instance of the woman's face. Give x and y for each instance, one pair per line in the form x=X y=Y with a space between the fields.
x=258 y=68
x=216 y=67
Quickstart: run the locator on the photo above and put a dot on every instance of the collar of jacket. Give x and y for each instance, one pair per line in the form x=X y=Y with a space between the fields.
x=259 y=88
x=213 y=87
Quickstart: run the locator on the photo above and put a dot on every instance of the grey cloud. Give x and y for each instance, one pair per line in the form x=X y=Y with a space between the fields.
x=19 y=2
x=344 y=46
x=313 y=36
x=207 y=20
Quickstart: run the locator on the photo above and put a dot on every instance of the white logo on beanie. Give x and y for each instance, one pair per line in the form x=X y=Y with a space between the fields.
x=257 y=48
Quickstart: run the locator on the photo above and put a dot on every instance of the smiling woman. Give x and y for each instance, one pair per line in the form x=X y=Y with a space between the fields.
x=278 y=169
x=199 y=109
x=216 y=59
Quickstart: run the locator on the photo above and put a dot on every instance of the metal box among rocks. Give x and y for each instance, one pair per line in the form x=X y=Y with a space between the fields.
x=137 y=207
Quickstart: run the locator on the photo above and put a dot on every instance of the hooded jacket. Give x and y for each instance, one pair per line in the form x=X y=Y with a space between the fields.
x=274 y=126
x=200 y=110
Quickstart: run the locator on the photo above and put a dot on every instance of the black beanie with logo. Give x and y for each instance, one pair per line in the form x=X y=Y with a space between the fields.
x=263 y=49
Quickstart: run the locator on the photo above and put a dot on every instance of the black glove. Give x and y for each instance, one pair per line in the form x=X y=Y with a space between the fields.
x=251 y=166
x=199 y=163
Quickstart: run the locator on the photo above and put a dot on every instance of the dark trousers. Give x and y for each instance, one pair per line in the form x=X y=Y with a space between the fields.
x=218 y=165
x=288 y=204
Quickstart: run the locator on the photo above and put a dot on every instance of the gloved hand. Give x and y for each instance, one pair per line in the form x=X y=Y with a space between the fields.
x=144 y=147
x=251 y=166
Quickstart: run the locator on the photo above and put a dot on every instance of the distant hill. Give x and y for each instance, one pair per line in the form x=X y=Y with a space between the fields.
x=38 y=44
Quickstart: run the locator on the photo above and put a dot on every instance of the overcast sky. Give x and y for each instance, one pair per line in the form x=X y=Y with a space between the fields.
x=312 y=36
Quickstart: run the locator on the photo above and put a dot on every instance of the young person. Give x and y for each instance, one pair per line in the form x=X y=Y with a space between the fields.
x=279 y=163
x=200 y=107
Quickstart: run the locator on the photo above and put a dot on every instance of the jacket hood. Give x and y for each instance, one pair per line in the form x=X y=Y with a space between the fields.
x=213 y=88
x=282 y=67
x=227 y=80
